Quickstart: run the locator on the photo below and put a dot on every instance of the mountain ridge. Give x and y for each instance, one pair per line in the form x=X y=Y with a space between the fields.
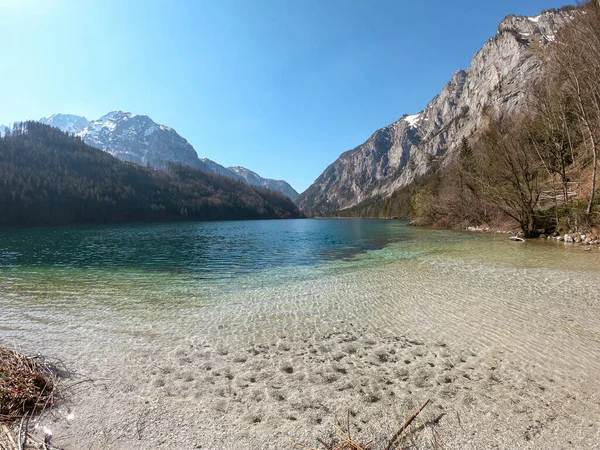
x=137 y=138
x=51 y=177
x=396 y=155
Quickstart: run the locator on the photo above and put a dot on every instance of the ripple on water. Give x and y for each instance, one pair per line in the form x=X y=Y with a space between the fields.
x=162 y=283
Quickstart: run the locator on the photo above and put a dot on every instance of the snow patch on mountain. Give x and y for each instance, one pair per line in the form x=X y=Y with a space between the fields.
x=66 y=122
x=413 y=120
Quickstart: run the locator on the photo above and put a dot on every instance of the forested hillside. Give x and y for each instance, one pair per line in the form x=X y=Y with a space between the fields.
x=48 y=177
x=139 y=139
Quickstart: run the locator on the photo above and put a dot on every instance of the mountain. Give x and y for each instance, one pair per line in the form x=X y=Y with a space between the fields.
x=214 y=167
x=256 y=180
x=130 y=137
x=137 y=138
x=67 y=122
x=396 y=155
x=49 y=177
x=252 y=178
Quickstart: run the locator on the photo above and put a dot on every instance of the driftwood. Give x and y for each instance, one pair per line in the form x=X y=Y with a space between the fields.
x=28 y=386
x=516 y=239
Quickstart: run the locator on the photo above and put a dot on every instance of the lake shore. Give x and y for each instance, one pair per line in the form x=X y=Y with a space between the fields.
x=502 y=338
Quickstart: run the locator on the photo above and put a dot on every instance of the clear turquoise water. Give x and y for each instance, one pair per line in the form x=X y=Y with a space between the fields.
x=211 y=251
x=68 y=290
x=120 y=305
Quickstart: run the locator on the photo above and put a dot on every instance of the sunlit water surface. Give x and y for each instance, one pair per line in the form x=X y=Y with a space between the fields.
x=81 y=290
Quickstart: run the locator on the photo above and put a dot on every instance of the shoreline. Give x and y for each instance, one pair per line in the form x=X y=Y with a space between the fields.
x=508 y=353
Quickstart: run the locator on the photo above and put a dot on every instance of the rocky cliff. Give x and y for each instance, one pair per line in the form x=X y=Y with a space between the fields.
x=396 y=155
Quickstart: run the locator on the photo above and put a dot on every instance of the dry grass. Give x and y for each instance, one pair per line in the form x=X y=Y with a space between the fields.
x=28 y=387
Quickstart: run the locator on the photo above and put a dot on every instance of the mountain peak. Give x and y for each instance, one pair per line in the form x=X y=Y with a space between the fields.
x=117 y=115
x=540 y=27
x=60 y=116
x=70 y=123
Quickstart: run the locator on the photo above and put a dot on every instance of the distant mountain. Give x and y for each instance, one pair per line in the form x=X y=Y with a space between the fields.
x=138 y=139
x=130 y=137
x=397 y=155
x=49 y=177
x=67 y=122
x=256 y=180
x=214 y=167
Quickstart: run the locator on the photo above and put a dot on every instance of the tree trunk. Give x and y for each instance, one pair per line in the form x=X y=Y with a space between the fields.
x=594 y=174
x=594 y=146
x=588 y=127
x=528 y=225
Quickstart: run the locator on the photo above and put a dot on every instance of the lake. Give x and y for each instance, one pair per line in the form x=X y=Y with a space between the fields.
x=152 y=312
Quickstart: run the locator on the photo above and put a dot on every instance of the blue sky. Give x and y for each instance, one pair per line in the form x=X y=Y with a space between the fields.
x=281 y=87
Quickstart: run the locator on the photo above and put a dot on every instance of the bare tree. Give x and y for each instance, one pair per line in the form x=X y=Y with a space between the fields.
x=576 y=56
x=509 y=173
x=551 y=131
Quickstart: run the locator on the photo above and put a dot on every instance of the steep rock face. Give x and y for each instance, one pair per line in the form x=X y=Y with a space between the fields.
x=396 y=155
x=138 y=139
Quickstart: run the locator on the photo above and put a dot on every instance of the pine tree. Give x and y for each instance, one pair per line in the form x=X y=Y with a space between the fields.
x=465 y=149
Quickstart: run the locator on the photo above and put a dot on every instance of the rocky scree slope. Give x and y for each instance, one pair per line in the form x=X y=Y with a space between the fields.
x=138 y=139
x=396 y=155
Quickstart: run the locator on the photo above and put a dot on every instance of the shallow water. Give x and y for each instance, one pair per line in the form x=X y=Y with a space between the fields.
x=116 y=302
x=232 y=278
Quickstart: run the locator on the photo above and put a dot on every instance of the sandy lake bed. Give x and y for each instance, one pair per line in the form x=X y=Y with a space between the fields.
x=504 y=341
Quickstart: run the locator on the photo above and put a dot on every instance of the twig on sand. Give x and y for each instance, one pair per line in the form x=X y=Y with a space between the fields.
x=140 y=424
x=9 y=436
x=22 y=443
x=345 y=441
x=398 y=433
x=348 y=425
